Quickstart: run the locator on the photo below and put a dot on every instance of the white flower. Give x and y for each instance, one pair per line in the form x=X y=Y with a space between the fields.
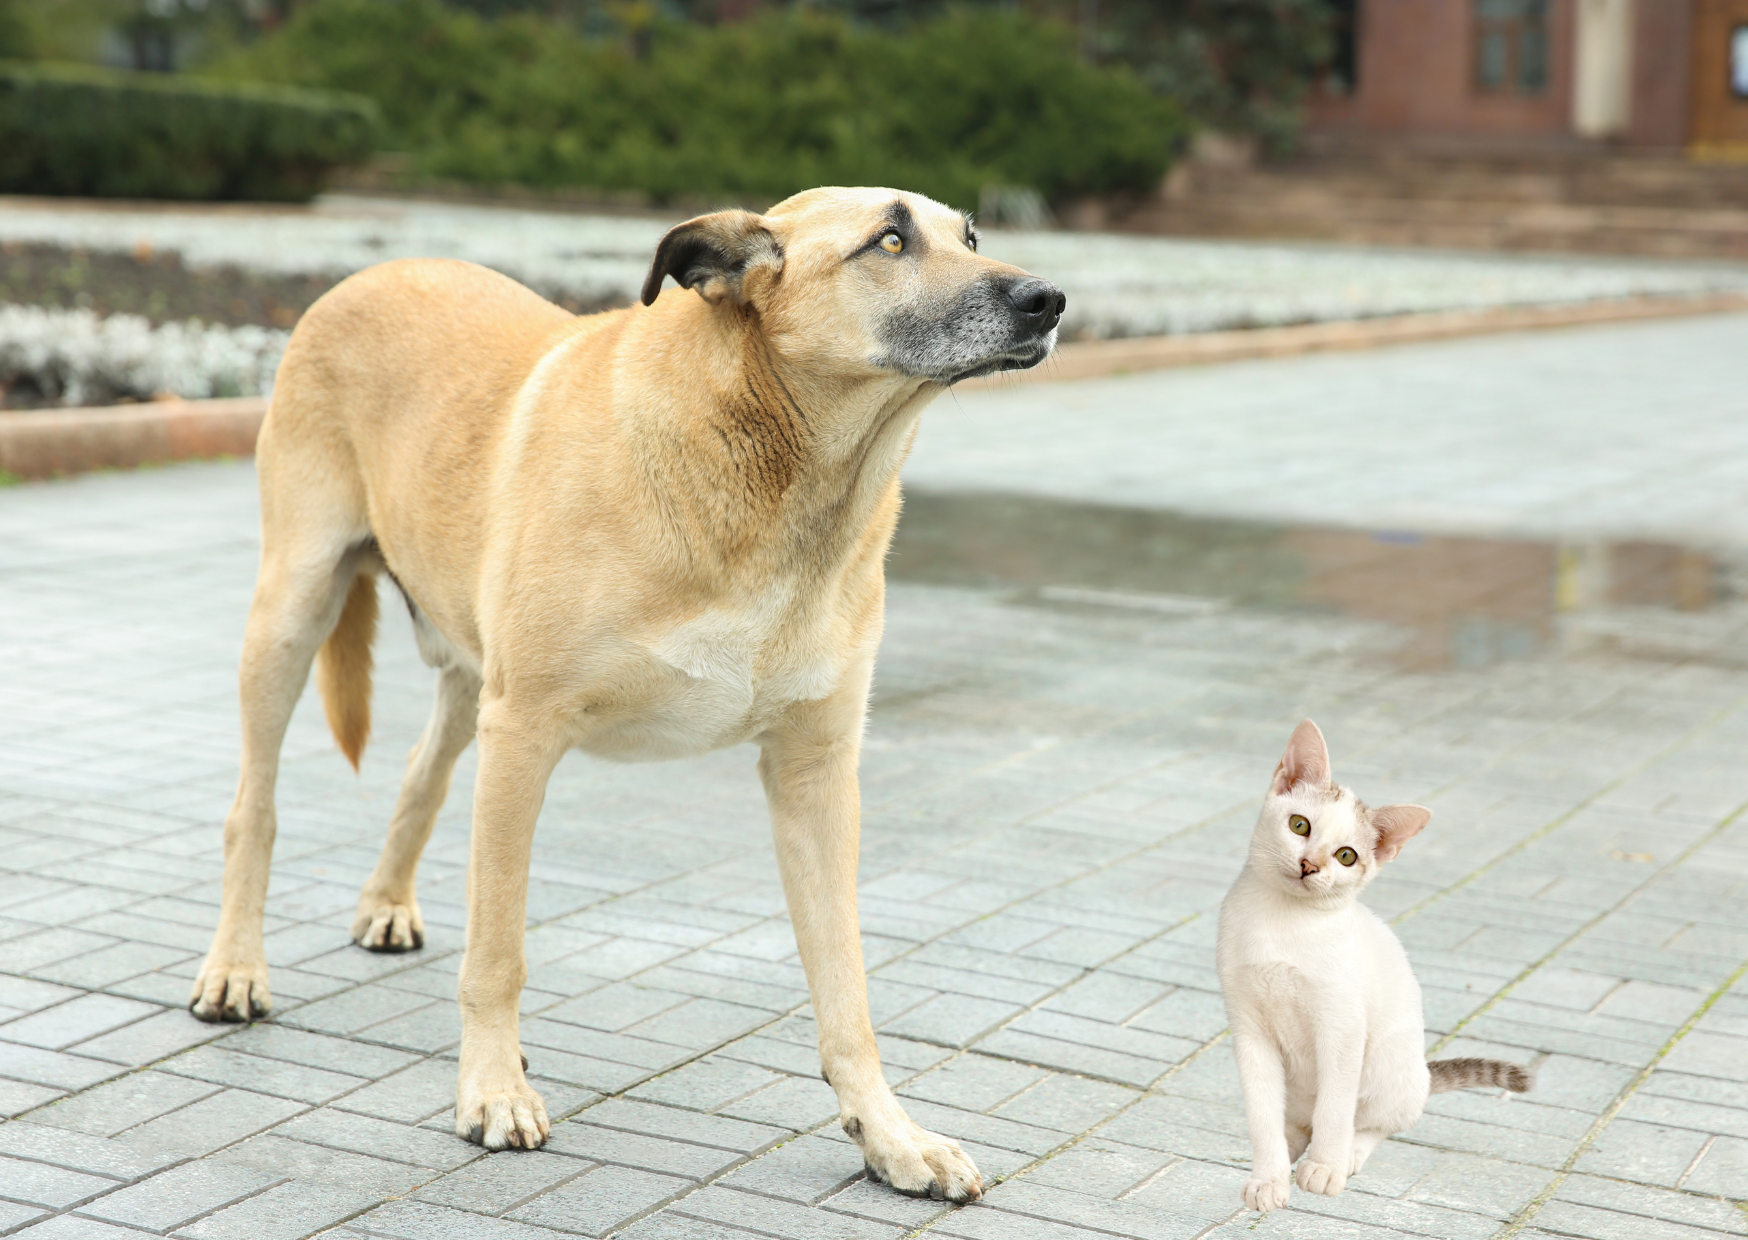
x=73 y=357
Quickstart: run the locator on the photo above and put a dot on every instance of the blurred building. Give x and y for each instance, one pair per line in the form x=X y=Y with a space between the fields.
x=1491 y=73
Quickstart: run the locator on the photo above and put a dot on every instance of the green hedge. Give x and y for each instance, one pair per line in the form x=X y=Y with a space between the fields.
x=67 y=129
x=751 y=110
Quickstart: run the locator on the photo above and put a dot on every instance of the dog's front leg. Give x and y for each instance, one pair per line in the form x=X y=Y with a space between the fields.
x=808 y=766
x=494 y=1105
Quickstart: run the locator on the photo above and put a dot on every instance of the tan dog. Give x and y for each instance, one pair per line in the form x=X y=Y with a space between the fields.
x=646 y=534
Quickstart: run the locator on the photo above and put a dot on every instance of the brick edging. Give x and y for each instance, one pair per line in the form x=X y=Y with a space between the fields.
x=45 y=443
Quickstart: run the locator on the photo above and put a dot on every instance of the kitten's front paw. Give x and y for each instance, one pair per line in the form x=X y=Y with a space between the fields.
x=1266 y=1195
x=1317 y=1177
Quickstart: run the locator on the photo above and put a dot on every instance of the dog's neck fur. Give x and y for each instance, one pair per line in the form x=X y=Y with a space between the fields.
x=777 y=465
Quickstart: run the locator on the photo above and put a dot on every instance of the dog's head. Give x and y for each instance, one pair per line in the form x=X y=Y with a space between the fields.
x=864 y=282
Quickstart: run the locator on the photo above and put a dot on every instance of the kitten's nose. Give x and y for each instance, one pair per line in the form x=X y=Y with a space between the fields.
x=1306 y=869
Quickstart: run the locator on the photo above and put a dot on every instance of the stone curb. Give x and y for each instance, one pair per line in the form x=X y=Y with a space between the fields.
x=46 y=443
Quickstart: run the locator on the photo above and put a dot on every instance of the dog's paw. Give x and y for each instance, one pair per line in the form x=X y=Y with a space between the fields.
x=917 y=1162
x=1321 y=1177
x=1266 y=1195
x=507 y=1118
x=230 y=990
x=387 y=926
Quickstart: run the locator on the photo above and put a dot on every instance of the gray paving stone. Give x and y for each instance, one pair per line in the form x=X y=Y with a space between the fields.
x=602 y=1200
x=500 y=1182
x=985 y=1223
x=707 y=1084
x=794 y=1102
x=1639 y=1201
x=417 y=1220
x=1648 y=1153
x=14 y=1217
x=806 y=1170
x=155 y=1037
x=1474 y=1183
x=1123 y=1218
x=178 y=1196
x=1102 y=1167
x=779 y=1218
x=1359 y=1206
x=363 y=1134
x=1067 y=1103
x=133 y=1099
x=212 y=1123
x=290 y=1212
x=953 y=1020
x=224 y=1066
x=59 y=1027
x=667 y=1226
x=302 y=1161
x=80 y=1151
x=54 y=1188
x=1075 y=1057
x=316 y=1050
x=408 y=1096
x=976 y=1082
x=682 y=1125
x=1564 y=1218
x=74 y=1227
x=630 y=1149
x=18 y=1097
x=1722 y=1170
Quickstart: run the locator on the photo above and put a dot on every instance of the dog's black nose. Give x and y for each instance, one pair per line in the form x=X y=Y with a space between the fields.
x=1039 y=301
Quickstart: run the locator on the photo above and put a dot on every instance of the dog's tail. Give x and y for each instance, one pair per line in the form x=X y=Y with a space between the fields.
x=343 y=669
x=1448 y=1074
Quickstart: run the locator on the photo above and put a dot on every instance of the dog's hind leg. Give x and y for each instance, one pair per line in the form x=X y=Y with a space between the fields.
x=297 y=602
x=388 y=914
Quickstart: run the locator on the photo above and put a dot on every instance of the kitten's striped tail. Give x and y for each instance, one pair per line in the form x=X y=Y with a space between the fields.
x=1450 y=1074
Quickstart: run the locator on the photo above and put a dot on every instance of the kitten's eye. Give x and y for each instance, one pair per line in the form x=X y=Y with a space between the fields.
x=1346 y=856
x=1300 y=825
x=892 y=243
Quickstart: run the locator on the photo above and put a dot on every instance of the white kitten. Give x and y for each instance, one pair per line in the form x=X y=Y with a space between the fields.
x=1325 y=1011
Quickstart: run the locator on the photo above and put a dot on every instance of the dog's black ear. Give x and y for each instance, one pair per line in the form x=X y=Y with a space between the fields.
x=712 y=254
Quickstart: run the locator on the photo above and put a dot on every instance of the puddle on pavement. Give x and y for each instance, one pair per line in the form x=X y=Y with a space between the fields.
x=1460 y=601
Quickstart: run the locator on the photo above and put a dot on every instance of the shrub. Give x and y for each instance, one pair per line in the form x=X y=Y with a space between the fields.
x=68 y=129
x=751 y=111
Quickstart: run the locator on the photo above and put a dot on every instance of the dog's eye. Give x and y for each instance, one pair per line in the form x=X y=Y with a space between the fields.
x=892 y=243
x=971 y=240
x=1346 y=856
x=1299 y=824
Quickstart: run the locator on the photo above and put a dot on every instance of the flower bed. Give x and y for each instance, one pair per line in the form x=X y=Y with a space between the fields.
x=1117 y=286
x=73 y=357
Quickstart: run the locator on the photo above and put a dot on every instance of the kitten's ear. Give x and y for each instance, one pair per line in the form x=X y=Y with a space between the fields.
x=1396 y=825
x=1305 y=762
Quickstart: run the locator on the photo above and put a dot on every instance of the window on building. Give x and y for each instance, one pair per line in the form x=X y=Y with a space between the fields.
x=1511 y=46
x=1343 y=72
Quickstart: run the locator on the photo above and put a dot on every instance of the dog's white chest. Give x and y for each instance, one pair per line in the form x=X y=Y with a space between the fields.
x=720 y=678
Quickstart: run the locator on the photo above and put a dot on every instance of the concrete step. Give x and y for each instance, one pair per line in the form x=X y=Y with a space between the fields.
x=1314 y=212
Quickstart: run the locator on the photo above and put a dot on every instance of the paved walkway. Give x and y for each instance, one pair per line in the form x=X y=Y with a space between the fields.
x=1628 y=430
x=1057 y=795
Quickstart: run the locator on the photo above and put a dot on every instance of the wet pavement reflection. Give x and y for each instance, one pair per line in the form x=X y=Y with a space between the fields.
x=1460 y=601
